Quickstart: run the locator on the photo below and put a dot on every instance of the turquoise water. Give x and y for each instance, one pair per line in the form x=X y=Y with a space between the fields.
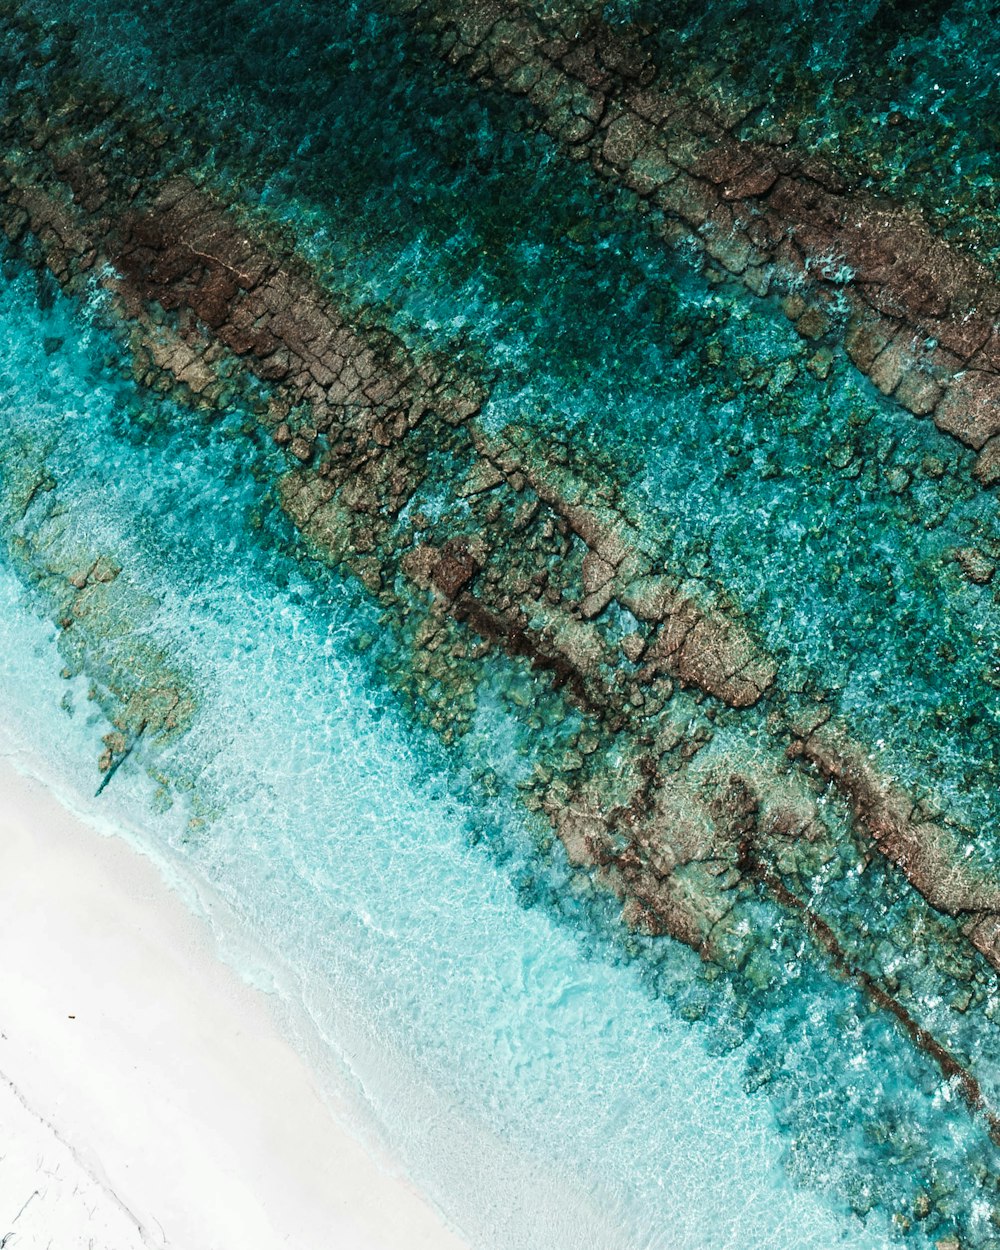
x=548 y=1077
x=433 y=202
x=538 y=1093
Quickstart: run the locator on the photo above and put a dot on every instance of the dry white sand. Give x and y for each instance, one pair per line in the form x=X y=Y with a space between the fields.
x=147 y=1096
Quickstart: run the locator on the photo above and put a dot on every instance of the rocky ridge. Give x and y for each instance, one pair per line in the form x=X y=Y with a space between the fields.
x=918 y=316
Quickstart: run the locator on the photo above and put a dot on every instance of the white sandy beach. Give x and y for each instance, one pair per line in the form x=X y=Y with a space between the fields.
x=147 y=1095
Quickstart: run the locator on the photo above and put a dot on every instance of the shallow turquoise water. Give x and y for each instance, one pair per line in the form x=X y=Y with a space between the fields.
x=539 y=1093
x=469 y=985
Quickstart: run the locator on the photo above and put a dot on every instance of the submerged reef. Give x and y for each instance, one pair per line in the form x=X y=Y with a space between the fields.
x=674 y=743
x=917 y=316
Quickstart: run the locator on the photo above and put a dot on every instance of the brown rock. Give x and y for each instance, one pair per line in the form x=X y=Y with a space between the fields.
x=976 y=566
x=820 y=363
x=597 y=572
x=689 y=199
x=893 y=362
x=970 y=408
x=988 y=356
x=625 y=137
x=813 y=324
x=793 y=306
x=104 y=570
x=984 y=933
x=987 y=467
x=756 y=180
x=419 y=564
x=723 y=164
x=866 y=336
x=455 y=569
x=593 y=605
x=964 y=336
x=799 y=201
x=276 y=366
x=918 y=392
x=633 y=645
x=649 y=598
x=712 y=653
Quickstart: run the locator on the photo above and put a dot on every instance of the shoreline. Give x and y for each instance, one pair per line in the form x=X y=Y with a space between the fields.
x=148 y=1095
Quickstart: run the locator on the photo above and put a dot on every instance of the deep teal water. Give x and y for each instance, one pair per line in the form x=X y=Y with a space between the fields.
x=466 y=986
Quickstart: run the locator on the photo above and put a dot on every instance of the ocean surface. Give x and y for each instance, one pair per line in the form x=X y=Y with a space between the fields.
x=529 y=1083
x=548 y=1076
